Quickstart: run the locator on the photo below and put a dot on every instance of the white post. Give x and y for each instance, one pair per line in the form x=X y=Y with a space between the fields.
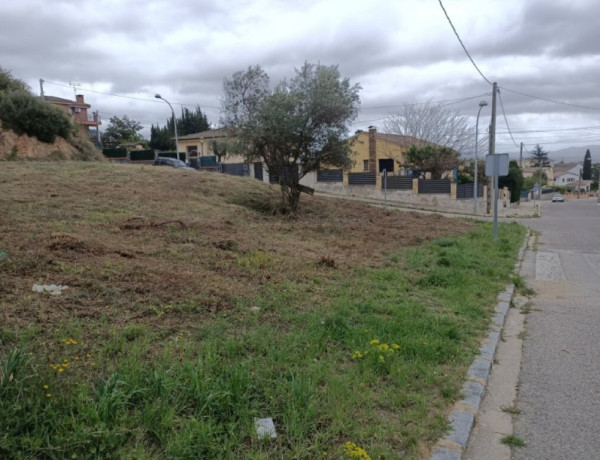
x=482 y=104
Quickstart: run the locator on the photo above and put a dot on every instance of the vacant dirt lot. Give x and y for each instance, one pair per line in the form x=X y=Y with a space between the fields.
x=128 y=238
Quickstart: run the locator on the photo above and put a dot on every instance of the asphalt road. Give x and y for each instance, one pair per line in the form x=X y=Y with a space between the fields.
x=559 y=389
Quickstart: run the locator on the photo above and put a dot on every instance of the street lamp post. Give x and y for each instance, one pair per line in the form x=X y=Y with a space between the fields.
x=158 y=96
x=482 y=104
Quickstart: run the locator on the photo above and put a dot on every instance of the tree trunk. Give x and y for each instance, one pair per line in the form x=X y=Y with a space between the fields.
x=291 y=196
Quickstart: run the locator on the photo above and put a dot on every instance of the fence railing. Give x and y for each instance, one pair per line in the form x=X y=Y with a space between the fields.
x=235 y=169
x=398 y=183
x=330 y=175
x=367 y=178
x=464 y=191
x=434 y=186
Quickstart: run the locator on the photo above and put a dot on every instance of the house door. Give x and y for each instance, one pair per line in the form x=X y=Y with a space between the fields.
x=387 y=164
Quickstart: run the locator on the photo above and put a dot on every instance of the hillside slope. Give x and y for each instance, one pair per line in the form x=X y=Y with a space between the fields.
x=21 y=146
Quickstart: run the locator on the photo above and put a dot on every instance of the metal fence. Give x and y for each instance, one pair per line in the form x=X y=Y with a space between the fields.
x=291 y=170
x=398 y=183
x=235 y=169
x=367 y=178
x=258 y=171
x=115 y=153
x=434 y=186
x=142 y=155
x=330 y=175
x=465 y=191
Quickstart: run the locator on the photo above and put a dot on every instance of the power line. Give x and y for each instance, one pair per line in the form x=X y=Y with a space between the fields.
x=87 y=90
x=506 y=120
x=551 y=100
x=463 y=45
x=448 y=101
x=550 y=130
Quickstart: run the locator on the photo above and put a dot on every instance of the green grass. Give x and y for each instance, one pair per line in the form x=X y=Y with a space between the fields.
x=512 y=441
x=513 y=410
x=377 y=363
x=192 y=310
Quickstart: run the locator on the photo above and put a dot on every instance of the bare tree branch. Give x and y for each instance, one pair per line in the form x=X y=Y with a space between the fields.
x=431 y=122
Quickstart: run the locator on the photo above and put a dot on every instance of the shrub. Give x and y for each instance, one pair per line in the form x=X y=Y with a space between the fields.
x=85 y=150
x=24 y=113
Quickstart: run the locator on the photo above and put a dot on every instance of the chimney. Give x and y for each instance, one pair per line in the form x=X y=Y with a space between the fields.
x=372 y=149
x=79 y=98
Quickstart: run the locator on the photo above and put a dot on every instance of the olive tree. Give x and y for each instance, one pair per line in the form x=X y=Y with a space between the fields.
x=295 y=127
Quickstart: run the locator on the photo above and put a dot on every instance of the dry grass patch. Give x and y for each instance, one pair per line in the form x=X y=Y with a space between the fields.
x=194 y=307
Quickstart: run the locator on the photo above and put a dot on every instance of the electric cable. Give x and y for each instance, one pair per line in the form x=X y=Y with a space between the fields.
x=463 y=45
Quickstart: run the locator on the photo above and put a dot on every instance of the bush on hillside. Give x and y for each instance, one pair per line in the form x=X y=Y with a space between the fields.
x=26 y=114
x=10 y=83
x=86 y=151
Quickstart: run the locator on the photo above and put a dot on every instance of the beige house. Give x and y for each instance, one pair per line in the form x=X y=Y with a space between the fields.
x=374 y=152
x=201 y=144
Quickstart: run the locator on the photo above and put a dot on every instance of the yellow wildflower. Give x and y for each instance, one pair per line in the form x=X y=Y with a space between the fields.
x=357 y=355
x=374 y=342
x=352 y=450
x=381 y=358
x=384 y=347
x=48 y=395
x=45 y=387
x=396 y=346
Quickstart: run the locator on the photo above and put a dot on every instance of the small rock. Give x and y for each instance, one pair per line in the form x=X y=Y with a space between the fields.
x=53 y=289
x=265 y=428
x=255 y=309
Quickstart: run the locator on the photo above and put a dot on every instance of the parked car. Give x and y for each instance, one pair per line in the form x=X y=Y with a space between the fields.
x=173 y=162
x=558 y=198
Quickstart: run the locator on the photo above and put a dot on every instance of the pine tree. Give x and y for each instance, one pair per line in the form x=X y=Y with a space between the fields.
x=539 y=157
x=587 y=166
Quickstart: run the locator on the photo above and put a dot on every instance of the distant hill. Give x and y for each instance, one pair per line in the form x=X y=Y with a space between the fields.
x=575 y=154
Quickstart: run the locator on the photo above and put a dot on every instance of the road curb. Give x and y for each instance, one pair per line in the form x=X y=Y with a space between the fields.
x=462 y=418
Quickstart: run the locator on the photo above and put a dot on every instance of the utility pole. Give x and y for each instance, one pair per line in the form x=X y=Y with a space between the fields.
x=521 y=157
x=491 y=188
x=97 y=118
x=42 y=88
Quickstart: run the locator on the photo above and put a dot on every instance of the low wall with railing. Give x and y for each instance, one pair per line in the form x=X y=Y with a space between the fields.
x=438 y=195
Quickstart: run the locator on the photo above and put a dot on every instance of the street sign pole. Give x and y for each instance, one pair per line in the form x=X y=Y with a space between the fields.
x=496 y=165
x=385 y=188
x=496 y=157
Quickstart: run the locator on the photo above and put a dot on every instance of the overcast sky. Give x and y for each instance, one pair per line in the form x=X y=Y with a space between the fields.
x=401 y=52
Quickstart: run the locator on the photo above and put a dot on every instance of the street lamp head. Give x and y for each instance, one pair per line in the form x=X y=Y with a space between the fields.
x=157 y=96
x=481 y=103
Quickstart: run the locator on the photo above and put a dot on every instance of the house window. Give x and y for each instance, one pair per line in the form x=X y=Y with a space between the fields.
x=192 y=150
x=365 y=165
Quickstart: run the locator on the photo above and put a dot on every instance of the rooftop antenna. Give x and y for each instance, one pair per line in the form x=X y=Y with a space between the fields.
x=74 y=85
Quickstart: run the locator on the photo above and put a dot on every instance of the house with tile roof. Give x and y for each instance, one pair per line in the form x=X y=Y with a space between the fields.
x=79 y=110
x=373 y=151
x=201 y=144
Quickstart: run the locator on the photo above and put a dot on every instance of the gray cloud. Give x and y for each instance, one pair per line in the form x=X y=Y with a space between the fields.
x=400 y=52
